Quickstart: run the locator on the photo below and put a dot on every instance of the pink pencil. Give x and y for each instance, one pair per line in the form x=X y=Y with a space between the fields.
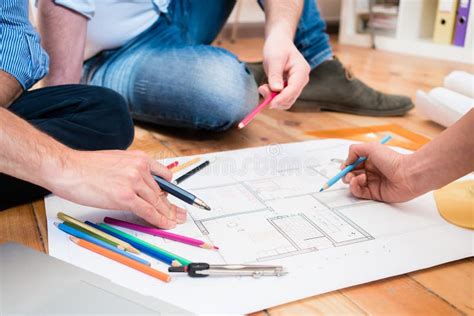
x=257 y=110
x=159 y=233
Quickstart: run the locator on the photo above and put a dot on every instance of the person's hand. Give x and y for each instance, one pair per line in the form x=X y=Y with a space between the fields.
x=118 y=180
x=382 y=177
x=283 y=63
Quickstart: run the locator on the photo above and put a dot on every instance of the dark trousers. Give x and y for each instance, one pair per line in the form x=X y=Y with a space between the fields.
x=81 y=117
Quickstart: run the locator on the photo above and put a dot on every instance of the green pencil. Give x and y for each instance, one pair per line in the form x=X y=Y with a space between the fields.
x=182 y=260
x=85 y=231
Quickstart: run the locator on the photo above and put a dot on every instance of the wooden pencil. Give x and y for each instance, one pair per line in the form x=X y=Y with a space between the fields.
x=110 y=242
x=122 y=259
x=185 y=165
x=141 y=243
x=77 y=222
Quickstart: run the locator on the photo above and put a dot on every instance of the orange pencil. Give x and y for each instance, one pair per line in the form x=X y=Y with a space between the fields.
x=121 y=259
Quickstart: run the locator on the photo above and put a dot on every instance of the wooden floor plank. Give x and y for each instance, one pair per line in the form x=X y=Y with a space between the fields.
x=19 y=225
x=39 y=212
x=454 y=282
x=399 y=296
x=333 y=303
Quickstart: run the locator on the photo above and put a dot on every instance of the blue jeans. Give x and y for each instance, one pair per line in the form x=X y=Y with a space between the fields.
x=171 y=76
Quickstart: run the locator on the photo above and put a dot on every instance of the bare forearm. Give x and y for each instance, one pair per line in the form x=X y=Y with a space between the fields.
x=63 y=37
x=282 y=16
x=28 y=154
x=10 y=89
x=447 y=158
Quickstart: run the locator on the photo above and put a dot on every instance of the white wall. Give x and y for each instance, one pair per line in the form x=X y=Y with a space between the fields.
x=251 y=12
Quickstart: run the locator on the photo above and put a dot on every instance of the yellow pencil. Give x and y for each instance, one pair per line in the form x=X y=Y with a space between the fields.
x=185 y=165
x=77 y=222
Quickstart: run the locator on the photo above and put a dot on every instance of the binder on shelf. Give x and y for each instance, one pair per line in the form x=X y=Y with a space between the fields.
x=461 y=22
x=445 y=22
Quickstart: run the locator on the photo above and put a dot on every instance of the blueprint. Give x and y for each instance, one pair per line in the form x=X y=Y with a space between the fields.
x=266 y=209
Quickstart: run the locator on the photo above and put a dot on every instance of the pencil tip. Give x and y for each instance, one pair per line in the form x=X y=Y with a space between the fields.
x=216 y=248
x=321 y=190
x=202 y=204
x=241 y=125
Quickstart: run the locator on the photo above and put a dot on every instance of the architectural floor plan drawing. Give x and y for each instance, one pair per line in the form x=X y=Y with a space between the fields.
x=303 y=223
x=266 y=209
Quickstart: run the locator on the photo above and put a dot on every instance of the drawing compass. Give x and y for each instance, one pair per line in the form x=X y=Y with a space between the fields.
x=201 y=270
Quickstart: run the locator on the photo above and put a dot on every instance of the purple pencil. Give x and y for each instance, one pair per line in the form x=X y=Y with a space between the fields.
x=160 y=233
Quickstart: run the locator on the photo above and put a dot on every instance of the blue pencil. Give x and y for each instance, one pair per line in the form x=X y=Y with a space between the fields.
x=76 y=233
x=349 y=168
x=146 y=250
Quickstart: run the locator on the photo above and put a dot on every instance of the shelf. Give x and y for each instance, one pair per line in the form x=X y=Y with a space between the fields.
x=415 y=27
x=425 y=48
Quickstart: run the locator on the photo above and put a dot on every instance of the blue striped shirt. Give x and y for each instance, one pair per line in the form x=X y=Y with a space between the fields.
x=21 y=54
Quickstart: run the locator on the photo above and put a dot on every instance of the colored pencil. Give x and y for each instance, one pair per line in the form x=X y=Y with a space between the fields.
x=83 y=235
x=185 y=165
x=159 y=233
x=145 y=244
x=180 y=193
x=349 y=168
x=121 y=259
x=257 y=110
x=192 y=172
x=147 y=248
x=172 y=165
x=71 y=219
x=110 y=242
x=143 y=248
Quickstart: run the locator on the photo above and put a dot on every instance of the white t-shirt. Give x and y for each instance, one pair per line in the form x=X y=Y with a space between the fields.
x=112 y=23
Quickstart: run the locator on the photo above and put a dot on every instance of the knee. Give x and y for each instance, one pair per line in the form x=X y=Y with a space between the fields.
x=230 y=94
x=111 y=112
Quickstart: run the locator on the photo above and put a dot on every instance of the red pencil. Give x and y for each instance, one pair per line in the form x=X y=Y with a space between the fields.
x=257 y=110
x=172 y=165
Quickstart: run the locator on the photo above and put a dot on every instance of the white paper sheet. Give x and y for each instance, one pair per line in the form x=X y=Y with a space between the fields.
x=267 y=209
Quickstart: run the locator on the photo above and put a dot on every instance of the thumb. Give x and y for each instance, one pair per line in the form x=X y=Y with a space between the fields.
x=264 y=91
x=275 y=70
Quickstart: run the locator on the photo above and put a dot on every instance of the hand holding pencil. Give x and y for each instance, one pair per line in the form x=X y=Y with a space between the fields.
x=383 y=175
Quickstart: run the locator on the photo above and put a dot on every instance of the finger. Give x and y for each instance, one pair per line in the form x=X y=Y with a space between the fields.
x=297 y=78
x=275 y=68
x=160 y=170
x=360 y=150
x=165 y=207
x=348 y=177
x=157 y=199
x=264 y=90
x=148 y=193
x=146 y=211
x=181 y=215
x=358 y=187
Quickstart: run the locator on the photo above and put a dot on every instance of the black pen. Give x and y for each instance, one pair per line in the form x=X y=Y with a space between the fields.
x=191 y=172
x=181 y=194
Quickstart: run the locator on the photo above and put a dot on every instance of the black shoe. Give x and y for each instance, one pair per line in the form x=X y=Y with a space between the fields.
x=334 y=88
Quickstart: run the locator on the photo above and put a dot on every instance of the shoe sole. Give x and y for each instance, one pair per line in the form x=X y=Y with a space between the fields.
x=345 y=109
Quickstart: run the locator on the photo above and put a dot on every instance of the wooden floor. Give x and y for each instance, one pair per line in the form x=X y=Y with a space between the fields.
x=443 y=290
